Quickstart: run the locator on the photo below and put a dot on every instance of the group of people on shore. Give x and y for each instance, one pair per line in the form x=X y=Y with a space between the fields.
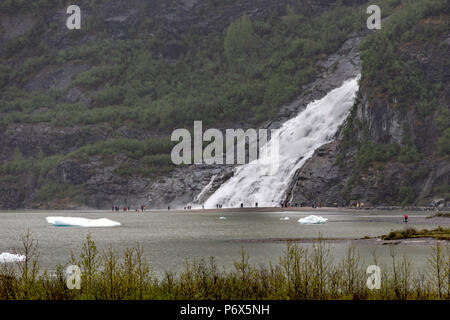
x=295 y=205
x=116 y=208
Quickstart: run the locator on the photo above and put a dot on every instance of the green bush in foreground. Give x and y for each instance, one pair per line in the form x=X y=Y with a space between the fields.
x=301 y=273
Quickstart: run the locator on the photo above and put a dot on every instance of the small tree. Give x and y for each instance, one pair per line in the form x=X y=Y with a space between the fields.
x=437 y=267
x=240 y=43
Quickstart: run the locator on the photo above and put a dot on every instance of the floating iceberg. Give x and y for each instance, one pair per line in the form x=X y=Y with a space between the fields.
x=312 y=220
x=285 y=218
x=6 y=257
x=81 y=222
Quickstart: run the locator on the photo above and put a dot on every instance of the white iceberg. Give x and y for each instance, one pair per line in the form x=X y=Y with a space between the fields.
x=81 y=222
x=312 y=220
x=285 y=218
x=6 y=257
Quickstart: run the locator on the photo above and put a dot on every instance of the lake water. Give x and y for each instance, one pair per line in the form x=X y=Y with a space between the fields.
x=168 y=238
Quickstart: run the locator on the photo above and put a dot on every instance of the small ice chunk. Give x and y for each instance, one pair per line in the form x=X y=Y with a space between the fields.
x=285 y=218
x=312 y=220
x=222 y=218
x=6 y=257
x=81 y=222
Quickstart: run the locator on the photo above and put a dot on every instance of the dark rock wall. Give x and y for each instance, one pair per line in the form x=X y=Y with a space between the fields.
x=329 y=176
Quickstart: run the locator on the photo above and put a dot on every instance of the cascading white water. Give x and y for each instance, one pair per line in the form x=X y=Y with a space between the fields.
x=299 y=137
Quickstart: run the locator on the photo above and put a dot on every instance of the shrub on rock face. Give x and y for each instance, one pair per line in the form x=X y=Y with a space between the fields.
x=444 y=143
x=406 y=195
x=409 y=154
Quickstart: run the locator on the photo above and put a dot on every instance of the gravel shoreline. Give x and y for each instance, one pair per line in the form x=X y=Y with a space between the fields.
x=279 y=209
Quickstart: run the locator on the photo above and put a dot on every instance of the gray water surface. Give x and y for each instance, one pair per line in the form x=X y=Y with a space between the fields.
x=169 y=238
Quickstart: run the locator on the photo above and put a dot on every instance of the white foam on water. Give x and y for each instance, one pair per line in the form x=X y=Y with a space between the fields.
x=6 y=257
x=312 y=220
x=285 y=218
x=222 y=218
x=81 y=222
x=266 y=181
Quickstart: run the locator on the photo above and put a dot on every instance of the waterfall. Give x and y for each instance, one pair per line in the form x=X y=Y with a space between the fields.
x=205 y=189
x=299 y=137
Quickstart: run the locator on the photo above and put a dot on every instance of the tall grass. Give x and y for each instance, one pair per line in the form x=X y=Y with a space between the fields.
x=302 y=273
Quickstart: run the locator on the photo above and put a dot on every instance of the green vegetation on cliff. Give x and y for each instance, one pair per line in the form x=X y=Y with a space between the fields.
x=403 y=73
x=242 y=74
x=394 y=72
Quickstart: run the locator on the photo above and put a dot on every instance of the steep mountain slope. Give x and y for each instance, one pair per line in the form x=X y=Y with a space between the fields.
x=86 y=115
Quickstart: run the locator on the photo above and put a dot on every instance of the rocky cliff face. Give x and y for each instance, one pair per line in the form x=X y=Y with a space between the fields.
x=331 y=175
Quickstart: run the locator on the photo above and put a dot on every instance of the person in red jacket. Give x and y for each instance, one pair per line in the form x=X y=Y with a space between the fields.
x=405 y=217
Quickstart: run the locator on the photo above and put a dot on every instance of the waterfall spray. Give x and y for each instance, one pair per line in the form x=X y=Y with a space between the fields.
x=298 y=138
